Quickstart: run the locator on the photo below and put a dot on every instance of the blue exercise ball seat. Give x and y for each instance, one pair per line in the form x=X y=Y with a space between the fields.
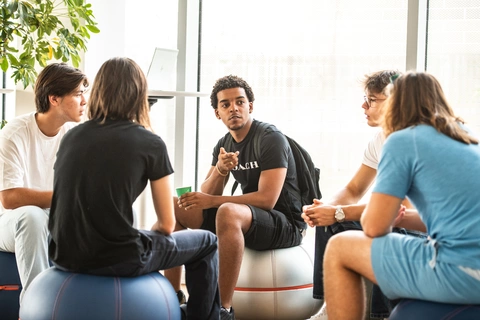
x=10 y=287
x=56 y=294
x=426 y=310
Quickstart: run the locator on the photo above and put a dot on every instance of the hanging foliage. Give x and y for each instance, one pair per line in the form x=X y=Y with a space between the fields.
x=42 y=34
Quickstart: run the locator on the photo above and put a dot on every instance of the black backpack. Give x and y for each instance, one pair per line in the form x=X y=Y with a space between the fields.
x=308 y=175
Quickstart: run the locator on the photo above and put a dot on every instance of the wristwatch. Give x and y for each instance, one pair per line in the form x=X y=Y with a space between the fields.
x=339 y=214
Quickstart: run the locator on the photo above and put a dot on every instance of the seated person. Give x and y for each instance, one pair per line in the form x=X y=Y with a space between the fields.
x=343 y=211
x=430 y=157
x=102 y=166
x=268 y=213
x=28 y=145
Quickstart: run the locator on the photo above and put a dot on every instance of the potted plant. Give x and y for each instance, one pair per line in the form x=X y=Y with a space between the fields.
x=46 y=29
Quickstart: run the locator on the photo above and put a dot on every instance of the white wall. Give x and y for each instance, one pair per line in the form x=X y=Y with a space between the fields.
x=130 y=28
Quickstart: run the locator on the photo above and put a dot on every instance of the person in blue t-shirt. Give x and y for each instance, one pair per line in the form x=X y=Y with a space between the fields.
x=434 y=160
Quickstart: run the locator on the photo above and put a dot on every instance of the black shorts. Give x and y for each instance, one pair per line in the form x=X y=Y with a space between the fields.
x=269 y=229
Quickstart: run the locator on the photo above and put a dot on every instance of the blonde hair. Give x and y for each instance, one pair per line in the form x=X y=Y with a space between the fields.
x=119 y=91
x=417 y=98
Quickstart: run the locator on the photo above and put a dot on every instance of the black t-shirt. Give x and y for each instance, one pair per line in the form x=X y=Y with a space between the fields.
x=99 y=172
x=275 y=152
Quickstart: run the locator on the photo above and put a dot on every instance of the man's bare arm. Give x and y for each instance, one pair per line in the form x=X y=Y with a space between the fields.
x=269 y=187
x=356 y=187
x=19 y=197
x=320 y=214
x=217 y=176
x=349 y=196
x=380 y=214
x=214 y=183
x=411 y=221
x=161 y=195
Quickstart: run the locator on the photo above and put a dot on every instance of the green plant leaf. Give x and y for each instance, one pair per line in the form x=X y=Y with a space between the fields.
x=12 y=6
x=12 y=59
x=4 y=64
x=24 y=73
x=42 y=34
x=92 y=29
x=75 y=61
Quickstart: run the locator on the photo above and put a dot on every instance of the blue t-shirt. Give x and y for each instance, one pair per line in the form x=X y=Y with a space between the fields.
x=441 y=176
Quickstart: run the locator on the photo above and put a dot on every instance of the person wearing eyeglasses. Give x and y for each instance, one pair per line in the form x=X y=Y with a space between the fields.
x=343 y=211
x=432 y=158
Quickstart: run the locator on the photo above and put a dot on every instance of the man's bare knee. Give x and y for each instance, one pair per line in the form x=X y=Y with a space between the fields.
x=232 y=216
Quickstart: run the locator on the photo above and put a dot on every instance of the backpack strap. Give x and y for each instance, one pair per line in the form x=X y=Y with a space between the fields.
x=228 y=142
x=262 y=127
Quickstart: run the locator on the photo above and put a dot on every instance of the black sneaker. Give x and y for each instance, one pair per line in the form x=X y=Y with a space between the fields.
x=182 y=299
x=183 y=311
x=225 y=315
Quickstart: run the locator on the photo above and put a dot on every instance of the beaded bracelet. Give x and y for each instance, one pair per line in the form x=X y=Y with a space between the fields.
x=220 y=172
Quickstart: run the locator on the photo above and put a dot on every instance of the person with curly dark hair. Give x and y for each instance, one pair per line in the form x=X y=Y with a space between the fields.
x=267 y=215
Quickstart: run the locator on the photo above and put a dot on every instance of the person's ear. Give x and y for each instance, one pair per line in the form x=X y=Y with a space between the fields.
x=216 y=114
x=250 y=107
x=53 y=100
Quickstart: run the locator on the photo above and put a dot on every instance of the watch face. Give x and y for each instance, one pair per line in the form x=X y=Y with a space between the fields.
x=339 y=215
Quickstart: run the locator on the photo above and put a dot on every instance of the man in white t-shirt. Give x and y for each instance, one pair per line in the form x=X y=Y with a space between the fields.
x=28 y=147
x=343 y=211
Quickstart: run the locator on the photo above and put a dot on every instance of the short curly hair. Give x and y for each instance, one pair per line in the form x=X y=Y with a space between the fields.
x=377 y=82
x=229 y=82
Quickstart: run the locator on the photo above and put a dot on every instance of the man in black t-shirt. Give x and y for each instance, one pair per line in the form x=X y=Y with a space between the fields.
x=268 y=213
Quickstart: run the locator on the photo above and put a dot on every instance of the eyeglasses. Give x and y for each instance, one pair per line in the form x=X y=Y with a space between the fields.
x=371 y=101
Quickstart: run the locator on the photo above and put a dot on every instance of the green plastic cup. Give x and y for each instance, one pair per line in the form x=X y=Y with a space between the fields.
x=183 y=190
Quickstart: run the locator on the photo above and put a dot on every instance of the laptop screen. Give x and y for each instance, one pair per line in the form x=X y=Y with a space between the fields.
x=162 y=71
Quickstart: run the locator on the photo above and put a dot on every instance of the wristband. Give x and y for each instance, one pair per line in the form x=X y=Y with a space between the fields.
x=220 y=172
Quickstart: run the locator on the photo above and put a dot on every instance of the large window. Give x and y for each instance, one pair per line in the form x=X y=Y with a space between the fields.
x=304 y=61
x=453 y=54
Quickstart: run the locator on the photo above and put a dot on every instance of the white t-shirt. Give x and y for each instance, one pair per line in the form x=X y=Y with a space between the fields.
x=27 y=155
x=371 y=155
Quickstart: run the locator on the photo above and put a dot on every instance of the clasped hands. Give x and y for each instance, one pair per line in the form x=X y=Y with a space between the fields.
x=319 y=214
